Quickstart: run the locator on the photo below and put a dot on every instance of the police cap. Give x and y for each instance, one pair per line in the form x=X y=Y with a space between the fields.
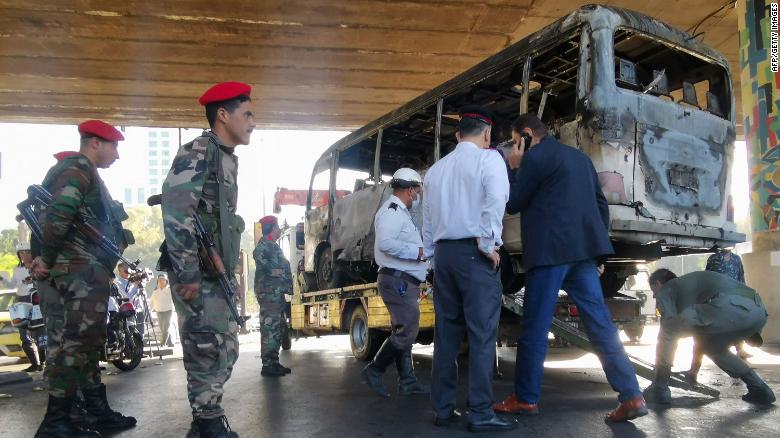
x=477 y=112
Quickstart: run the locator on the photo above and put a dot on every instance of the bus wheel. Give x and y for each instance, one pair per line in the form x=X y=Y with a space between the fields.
x=364 y=341
x=328 y=277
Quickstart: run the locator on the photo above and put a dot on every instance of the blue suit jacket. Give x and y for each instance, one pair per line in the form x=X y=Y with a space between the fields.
x=564 y=214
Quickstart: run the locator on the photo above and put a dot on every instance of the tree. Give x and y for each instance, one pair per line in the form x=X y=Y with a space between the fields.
x=8 y=240
x=147 y=228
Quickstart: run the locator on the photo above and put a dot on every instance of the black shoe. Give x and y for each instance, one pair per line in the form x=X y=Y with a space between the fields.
x=33 y=369
x=284 y=368
x=494 y=424
x=450 y=421
x=273 y=370
x=100 y=416
x=214 y=428
x=56 y=423
x=194 y=431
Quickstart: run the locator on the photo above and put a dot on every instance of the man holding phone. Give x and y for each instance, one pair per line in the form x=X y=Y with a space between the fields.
x=565 y=230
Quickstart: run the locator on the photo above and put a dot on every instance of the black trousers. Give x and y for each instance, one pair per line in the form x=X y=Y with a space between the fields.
x=466 y=299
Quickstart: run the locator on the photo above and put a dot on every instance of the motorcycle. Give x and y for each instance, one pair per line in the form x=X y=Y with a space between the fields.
x=124 y=344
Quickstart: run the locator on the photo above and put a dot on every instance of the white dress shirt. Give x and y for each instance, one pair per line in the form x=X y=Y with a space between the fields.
x=465 y=196
x=397 y=241
x=161 y=300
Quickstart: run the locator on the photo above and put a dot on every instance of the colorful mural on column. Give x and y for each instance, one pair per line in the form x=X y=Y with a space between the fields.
x=761 y=111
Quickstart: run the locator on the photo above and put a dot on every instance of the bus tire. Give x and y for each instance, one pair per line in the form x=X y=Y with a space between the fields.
x=328 y=274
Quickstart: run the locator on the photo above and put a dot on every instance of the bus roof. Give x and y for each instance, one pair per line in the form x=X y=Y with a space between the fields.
x=594 y=14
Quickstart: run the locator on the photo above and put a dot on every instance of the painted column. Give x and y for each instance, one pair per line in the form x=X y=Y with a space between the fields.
x=758 y=58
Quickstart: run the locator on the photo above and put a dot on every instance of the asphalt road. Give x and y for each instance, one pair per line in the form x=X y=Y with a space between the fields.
x=324 y=397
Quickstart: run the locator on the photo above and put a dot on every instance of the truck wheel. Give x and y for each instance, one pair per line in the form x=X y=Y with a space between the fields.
x=364 y=341
x=328 y=277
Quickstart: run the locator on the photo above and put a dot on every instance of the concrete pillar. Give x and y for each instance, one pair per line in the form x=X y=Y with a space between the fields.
x=758 y=31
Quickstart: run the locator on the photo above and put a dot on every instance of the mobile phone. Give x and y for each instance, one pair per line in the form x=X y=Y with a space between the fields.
x=527 y=139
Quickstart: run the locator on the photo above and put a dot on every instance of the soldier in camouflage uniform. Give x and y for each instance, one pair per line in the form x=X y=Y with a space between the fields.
x=273 y=279
x=80 y=273
x=202 y=180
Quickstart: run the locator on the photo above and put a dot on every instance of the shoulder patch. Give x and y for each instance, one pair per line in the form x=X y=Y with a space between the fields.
x=393 y=206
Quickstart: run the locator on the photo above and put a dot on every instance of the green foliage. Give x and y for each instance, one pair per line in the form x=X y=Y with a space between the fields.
x=8 y=261
x=146 y=225
x=8 y=240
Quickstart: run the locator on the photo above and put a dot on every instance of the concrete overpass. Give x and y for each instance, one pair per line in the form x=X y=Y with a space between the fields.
x=313 y=63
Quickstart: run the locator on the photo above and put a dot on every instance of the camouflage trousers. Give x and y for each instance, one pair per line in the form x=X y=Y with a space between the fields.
x=53 y=310
x=271 y=301
x=209 y=354
x=75 y=304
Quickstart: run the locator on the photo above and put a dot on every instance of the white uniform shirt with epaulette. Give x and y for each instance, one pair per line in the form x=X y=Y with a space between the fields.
x=397 y=241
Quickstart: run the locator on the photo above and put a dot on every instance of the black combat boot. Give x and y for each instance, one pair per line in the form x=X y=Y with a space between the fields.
x=758 y=391
x=274 y=370
x=658 y=391
x=56 y=423
x=407 y=381
x=77 y=412
x=372 y=373
x=100 y=416
x=214 y=428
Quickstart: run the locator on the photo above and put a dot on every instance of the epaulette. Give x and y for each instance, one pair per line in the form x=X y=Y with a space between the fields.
x=393 y=206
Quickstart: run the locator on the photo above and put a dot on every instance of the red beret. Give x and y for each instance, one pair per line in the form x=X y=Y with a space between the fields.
x=59 y=156
x=97 y=128
x=269 y=220
x=224 y=91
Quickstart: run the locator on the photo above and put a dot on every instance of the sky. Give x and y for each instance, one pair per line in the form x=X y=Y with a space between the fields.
x=274 y=158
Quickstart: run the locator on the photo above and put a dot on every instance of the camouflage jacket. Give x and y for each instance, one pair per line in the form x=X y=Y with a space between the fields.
x=77 y=189
x=272 y=270
x=193 y=185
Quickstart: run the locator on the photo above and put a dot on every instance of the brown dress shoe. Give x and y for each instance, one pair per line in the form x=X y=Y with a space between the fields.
x=514 y=406
x=628 y=410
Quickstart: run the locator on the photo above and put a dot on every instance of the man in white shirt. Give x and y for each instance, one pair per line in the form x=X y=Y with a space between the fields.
x=465 y=196
x=398 y=250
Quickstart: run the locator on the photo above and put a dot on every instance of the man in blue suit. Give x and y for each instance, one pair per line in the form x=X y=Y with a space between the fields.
x=565 y=223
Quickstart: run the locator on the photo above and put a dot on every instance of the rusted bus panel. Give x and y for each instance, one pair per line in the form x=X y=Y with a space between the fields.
x=316 y=231
x=353 y=224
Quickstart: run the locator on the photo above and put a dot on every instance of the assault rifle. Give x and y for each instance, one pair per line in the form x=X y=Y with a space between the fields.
x=39 y=199
x=207 y=251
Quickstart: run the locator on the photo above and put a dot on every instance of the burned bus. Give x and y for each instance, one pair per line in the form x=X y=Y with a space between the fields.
x=651 y=106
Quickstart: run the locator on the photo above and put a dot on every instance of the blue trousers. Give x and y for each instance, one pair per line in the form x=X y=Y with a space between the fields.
x=581 y=282
x=466 y=299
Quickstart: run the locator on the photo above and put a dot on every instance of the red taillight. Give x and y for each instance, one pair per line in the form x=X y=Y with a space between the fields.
x=127 y=309
x=573 y=311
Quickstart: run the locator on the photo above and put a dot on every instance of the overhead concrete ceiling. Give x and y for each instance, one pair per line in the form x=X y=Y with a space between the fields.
x=313 y=63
